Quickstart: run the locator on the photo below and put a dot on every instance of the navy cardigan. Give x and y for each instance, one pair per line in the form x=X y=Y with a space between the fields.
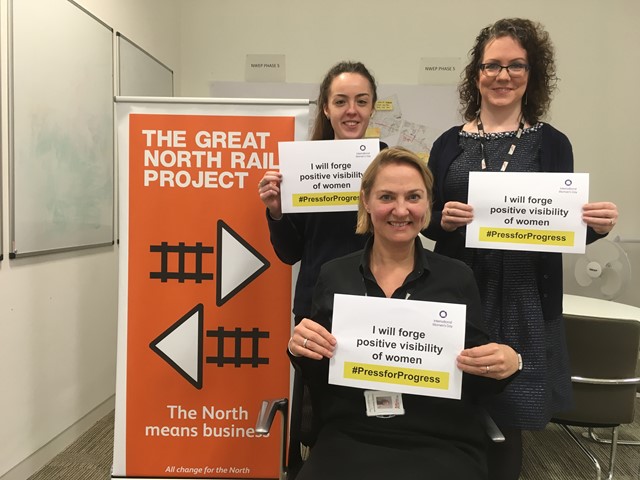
x=556 y=155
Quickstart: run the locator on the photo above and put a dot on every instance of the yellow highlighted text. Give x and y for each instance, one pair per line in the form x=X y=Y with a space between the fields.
x=396 y=375
x=530 y=237
x=325 y=199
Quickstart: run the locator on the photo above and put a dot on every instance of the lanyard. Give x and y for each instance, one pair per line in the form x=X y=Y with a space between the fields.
x=511 y=149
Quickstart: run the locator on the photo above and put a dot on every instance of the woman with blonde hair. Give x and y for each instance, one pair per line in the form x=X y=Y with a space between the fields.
x=434 y=438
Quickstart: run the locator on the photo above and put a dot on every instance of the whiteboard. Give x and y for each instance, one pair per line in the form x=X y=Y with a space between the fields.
x=61 y=128
x=140 y=74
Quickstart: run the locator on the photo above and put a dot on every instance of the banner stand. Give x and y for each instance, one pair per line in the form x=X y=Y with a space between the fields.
x=204 y=311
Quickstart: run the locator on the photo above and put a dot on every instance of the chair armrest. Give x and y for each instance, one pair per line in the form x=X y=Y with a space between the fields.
x=268 y=411
x=606 y=381
x=491 y=428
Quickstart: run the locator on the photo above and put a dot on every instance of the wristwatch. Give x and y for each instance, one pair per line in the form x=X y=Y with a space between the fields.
x=519 y=361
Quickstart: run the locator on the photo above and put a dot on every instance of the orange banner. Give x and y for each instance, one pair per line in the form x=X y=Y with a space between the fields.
x=207 y=301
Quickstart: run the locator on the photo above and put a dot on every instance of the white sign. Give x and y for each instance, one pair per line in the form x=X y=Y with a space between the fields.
x=323 y=175
x=397 y=345
x=528 y=211
x=439 y=71
x=265 y=68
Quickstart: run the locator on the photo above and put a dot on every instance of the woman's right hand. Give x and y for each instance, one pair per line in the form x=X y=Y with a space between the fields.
x=455 y=215
x=269 y=191
x=312 y=340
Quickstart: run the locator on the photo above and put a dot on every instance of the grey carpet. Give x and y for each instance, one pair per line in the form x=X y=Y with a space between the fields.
x=549 y=455
x=88 y=458
x=552 y=454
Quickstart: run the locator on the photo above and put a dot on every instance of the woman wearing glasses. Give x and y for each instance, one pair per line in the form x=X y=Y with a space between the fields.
x=505 y=91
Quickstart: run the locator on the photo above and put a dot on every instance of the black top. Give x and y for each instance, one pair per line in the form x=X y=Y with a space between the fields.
x=312 y=239
x=439 y=437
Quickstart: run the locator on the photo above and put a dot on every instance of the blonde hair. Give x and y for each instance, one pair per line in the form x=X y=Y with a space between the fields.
x=395 y=155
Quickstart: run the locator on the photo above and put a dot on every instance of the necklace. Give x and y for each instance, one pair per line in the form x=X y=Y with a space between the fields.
x=511 y=149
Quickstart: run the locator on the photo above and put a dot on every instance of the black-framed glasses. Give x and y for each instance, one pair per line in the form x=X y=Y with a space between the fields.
x=514 y=70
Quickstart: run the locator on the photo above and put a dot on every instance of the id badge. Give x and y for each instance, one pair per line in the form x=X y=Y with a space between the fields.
x=383 y=404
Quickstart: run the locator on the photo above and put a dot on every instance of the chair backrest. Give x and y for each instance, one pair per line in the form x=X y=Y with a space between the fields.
x=603 y=354
x=638 y=370
x=303 y=426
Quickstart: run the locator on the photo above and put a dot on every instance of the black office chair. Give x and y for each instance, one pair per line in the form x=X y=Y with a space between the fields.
x=603 y=354
x=303 y=427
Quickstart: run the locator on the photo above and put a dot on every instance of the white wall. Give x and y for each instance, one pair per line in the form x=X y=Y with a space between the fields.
x=597 y=56
x=58 y=312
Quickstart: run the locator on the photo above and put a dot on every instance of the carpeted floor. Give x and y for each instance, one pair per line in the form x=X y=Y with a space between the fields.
x=552 y=454
x=549 y=455
x=88 y=458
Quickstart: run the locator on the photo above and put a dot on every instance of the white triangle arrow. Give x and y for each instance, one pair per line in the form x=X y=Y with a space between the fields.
x=238 y=263
x=181 y=346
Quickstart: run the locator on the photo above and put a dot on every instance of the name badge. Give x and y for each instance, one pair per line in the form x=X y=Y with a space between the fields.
x=383 y=404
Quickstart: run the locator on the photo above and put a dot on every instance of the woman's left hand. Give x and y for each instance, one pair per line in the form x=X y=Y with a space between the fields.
x=601 y=216
x=494 y=360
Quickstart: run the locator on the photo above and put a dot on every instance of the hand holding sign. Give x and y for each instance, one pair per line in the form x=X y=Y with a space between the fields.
x=314 y=184
x=269 y=191
x=601 y=216
x=398 y=345
x=456 y=215
x=312 y=340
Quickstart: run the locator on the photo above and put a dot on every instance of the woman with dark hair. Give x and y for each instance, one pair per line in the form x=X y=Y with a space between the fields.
x=346 y=102
x=323 y=126
x=435 y=438
x=505 y=91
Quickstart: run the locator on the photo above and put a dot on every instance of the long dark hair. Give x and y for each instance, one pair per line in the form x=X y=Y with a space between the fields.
x=322 y=129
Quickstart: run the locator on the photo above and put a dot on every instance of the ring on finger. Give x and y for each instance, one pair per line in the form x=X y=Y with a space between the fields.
x=487 y=367
x=304 y=344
